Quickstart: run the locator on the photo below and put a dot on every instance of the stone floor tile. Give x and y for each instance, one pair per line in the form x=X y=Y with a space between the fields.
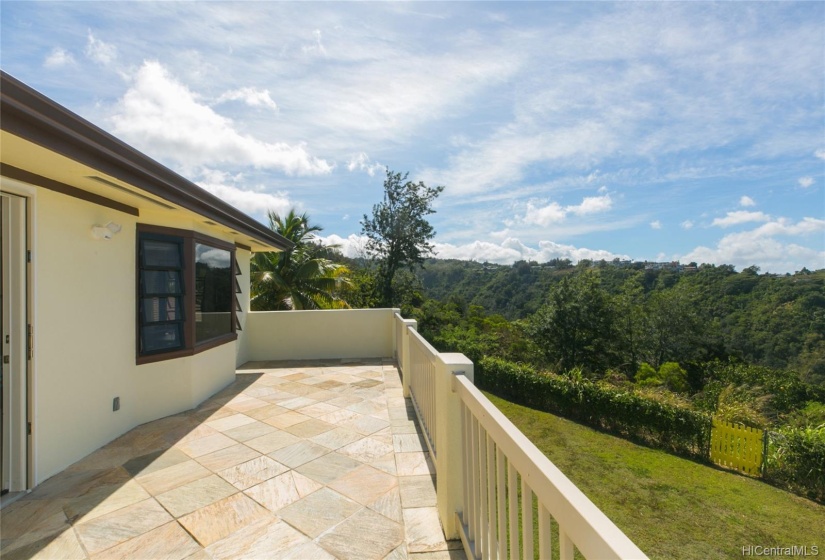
x=329 y=467
x=155 y=461
x=417 y=463
x=343 y=401
x=340 y=416
x=386 y=464
x=230 y=422
x=339 y=437
x=297 y=403
x=195 y=495
x=250 y=431
x=204 y=445
x=417 y=491
x=399 y=553
x=309 y=428
x=163 y=480
x=299 y=453
x=366 y=425
x=119 y=526
x=423 y=530
x=103 y=499
x=167 y=542
x=318 y=511
x=263 y=539
x=406 y=443
x=272 y=442
x=317 y=409
x=364 y=484
x=366 y=450
x=199 y=431
x=452 y=554
x=255 y=471
x=247 y=404
x=70 y=484
x=368 y=407
x=306 y=551
x=286 y=419
x=219 y=520
x=267 y=411
x=283 y=490
x=366 y=535
x=33 y=519
x=227 y=457
x=389 y=505
x=63 y=545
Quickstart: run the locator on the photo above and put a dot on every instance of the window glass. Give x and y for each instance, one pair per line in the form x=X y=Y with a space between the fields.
x=155 y=338
x=161 y=282
x=161 y=254
x=213 y=292
x=156 y=309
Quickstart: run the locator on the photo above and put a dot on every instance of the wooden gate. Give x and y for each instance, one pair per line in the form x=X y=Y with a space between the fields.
x=736 y=446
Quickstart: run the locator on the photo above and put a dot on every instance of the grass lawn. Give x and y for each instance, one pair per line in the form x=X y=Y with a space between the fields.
x=671 y=507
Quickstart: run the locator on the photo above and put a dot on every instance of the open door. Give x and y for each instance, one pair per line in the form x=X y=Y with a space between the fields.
x=14 y=424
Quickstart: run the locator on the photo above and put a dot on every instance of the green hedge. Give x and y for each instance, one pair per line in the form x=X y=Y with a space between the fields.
x=796 y=460
x=609 y=408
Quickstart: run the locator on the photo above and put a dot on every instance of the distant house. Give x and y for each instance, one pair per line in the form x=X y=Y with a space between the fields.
x=124 y=287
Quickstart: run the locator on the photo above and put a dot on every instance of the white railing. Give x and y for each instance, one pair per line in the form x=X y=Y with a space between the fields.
x=489 y=474
x=423 y=362
x=503 y=472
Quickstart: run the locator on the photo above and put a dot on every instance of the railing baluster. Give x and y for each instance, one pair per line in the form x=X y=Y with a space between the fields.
x=491 y=495
x=476 y=537
x=502 y=504
x=565 y=546
x=545 y=534
x=512 y=476
x=526 y=519
x=483 y=534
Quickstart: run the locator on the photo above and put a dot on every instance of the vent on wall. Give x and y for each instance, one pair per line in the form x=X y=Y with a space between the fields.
x=128 y=191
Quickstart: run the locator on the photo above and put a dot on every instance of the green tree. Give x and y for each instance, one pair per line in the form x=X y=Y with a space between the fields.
x=299 y=278
x=575 y=327
x=398 y=232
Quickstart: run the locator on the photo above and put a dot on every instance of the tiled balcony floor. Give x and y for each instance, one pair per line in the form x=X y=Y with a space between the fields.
x=294 y=460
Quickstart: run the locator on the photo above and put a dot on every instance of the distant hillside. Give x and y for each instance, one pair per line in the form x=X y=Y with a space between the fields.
x=771 y=320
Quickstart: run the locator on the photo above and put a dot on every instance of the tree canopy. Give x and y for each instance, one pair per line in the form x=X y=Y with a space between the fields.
x=398 y=233
x=299 y=278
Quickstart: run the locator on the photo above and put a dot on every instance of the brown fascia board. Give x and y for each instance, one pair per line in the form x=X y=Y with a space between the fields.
x=31 y=115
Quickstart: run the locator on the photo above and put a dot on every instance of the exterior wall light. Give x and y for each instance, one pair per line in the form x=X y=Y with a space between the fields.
x=105 y=232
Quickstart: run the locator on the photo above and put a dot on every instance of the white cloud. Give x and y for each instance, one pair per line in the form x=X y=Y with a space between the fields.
x=760 y=247
x=511 y=250
x=223 y=186
x=59 y=57
x=687 y=224
x=362 y=162
x=806 y=182
x=592 y=205
x=164 y=117
x=820 y=154
x=317 y=46
x=740 y=217
x=554 y=212
x=251 y=96
x=99 y=51
x=656 y=224
x=746 y=201
x=545 y=215
x=352 y=246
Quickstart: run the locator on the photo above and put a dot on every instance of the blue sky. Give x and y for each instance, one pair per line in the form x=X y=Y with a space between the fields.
x=645 y=130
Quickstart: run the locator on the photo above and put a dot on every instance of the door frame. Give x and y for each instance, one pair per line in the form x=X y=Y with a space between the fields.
x=18 y=281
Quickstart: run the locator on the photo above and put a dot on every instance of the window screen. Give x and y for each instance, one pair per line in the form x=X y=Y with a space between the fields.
x=161 y=291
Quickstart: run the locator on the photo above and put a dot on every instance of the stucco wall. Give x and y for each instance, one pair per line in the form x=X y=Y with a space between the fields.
x=300 y=335
x=84 y=337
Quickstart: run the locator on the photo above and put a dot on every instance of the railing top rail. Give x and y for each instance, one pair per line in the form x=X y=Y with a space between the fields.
x=414 y=335
x=581 y=518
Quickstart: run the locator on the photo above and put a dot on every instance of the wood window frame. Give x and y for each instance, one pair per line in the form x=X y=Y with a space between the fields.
x=190 y=346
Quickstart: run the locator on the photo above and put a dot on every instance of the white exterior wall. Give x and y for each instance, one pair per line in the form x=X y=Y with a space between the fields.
x=302 y=335
x=84 y=336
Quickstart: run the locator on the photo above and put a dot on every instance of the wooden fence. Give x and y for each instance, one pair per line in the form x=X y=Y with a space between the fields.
x=736 y=446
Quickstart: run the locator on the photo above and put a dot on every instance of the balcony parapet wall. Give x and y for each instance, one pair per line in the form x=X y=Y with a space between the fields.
x=326 y=334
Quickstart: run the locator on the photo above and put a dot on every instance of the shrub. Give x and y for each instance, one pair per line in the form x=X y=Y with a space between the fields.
x=796 y=459
x=668 y=424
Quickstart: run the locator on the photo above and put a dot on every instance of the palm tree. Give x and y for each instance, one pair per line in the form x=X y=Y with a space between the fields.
x=299 y=278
